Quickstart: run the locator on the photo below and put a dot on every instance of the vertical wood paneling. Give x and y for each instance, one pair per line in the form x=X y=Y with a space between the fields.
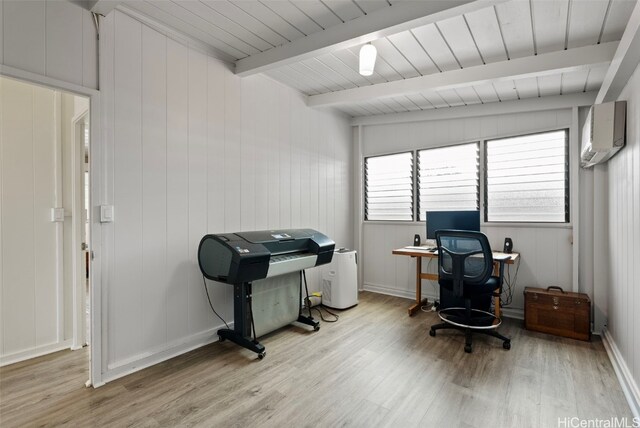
x=51 y=38
x=154 y=188
x=177 y=191
x=198 y=151
x=624 y=236
x=198 y=314
x=64 y=35
x=18 y=275
x=45 y=247
x=127 y=300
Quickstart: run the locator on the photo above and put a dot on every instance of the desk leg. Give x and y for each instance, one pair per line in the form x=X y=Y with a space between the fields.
x=416 y=306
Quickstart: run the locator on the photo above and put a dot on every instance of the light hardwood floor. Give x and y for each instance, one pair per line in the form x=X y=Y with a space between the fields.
x=374 y=367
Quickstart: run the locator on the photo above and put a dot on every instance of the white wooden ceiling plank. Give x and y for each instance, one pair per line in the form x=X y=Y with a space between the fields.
x=352 y=60
x=373 y=109
x=457 y=35
x=451 y=97
x=215 y=18
x=326 y=84
x=290 y=77
x=382 y=67
x=317 y=11
x=349 y=111
x=595 y=78
x=486 y=32
x=195 y=19
x=550 y=24
x=619 y=14
x=434 y=44
x=527 y=87
x=420 y=101
x=370 y=5
x=294 y=16
x=506 y=90
x=585 y=22
x=345 y=9
x=514 y=18
x=346 y=71
x=407 y=44
x=379 y=23
x=381 y=106
x=270 y=19
x=305 y=78
x=147 y=9
x=387 y=52
x=574 y=81
x=329 y=73
x=406 y=103
x=487 y=93
x=238 y=15
x=359 y=110
x=435 y=99
x=394 y=105
x=549 y=85
x=538 y=65
x=468 y=95
x=278 y=75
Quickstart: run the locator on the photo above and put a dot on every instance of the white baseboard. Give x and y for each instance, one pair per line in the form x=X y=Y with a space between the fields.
x=390 y=291
x=138 y=362
x=627 y=382
x=39 y=351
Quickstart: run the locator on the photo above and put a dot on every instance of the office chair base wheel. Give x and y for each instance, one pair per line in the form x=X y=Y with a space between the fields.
x=468 y=349
x=261 y=355
x=506 y=345
x=432 y=333
x=221 y=339
x=316 y=328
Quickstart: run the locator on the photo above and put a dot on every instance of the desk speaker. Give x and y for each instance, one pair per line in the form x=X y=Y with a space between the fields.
x=508 y=245
x=416 y=240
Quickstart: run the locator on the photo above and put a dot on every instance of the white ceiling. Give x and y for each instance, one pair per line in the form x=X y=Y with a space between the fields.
x=502 y=32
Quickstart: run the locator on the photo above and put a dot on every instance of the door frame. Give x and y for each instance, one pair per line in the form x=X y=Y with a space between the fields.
x=77 y=224
x=97 y=198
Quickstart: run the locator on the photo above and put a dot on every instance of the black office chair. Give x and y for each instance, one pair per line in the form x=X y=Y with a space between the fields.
x=465 y=267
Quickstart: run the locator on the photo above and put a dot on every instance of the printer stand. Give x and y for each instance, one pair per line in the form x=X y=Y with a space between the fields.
x=245 y=342
x=309 y=321
x=242 y=319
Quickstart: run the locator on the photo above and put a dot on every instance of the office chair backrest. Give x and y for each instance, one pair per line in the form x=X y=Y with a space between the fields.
x=464 y=257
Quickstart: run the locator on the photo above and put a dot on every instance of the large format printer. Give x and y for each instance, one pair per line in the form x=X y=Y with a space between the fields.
x=264 y=268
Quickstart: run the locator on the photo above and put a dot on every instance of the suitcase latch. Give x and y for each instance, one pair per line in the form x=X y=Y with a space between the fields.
x=556 y=302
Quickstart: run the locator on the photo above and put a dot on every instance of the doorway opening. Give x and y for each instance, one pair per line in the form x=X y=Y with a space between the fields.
x=44 y=207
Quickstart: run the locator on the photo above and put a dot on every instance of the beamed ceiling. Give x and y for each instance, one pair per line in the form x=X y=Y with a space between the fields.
x=431 y=54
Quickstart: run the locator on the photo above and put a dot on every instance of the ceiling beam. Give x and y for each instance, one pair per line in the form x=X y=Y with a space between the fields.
x=624 y=62
x=380 y=23
x=539 y=65
x=554 y=102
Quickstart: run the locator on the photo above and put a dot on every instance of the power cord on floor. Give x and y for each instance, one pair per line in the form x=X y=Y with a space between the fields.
x=204 y=282
x=510 y=285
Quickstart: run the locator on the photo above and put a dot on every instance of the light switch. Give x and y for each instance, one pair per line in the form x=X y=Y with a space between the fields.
x=106 y=213
x=57 y=215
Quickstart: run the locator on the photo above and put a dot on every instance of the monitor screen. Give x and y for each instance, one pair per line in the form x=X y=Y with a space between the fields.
x=459 y=220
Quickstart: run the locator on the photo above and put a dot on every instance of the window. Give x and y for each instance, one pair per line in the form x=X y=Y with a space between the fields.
x=449 y=179
x=389 y=187
x=527 y=178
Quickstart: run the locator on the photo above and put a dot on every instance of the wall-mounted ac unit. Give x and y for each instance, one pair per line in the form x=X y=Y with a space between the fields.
x=603 y=133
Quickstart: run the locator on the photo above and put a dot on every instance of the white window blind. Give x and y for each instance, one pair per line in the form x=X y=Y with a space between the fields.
x=389 y=187
x=449 y=179
x=527 y=178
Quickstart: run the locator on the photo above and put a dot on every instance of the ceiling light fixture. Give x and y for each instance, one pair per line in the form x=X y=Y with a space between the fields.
x=368 y=55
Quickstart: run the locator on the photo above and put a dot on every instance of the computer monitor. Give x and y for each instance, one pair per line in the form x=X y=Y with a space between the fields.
x=459 y=220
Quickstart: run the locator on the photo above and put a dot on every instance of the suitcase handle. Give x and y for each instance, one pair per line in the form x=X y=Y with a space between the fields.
x=555 y=287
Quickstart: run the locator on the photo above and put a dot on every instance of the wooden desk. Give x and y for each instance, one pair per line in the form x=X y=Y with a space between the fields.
x=420 y=254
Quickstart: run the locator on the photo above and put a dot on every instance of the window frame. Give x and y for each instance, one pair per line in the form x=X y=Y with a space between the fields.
x=413 y=186
x=567 y=173
x=444 y=146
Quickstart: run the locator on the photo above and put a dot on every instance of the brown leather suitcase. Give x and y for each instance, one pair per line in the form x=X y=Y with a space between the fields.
x=555 y=311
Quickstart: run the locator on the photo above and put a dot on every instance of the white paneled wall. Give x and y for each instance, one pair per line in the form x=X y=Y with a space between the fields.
x=191 y=149
x=546 y=251
x=32 y=313
x=52 y=38
x=623 y=287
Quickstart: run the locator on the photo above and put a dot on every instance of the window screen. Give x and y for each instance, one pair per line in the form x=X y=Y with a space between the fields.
x=449 y=179
x=389 y=187
x=527 y=178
